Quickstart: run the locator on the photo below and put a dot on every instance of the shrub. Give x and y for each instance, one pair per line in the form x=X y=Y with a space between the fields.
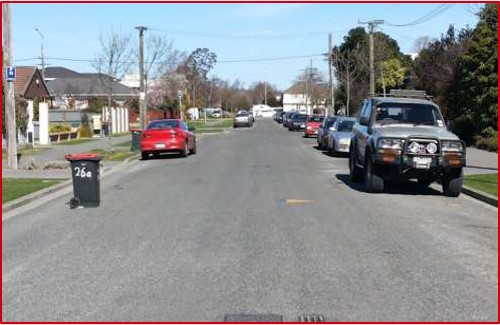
x=488 y=140
x=490 y=144
x=59 y=127
x=85 y=132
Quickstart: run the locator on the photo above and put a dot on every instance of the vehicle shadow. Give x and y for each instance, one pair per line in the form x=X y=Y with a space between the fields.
x=404 y=187
x=164 y=156
x=336 y=155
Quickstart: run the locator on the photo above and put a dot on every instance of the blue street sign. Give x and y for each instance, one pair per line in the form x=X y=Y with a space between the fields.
x=11 y=73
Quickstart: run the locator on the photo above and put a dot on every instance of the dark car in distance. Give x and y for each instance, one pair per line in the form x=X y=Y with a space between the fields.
x=297 y=122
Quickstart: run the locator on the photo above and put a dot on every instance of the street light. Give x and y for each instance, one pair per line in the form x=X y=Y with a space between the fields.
x=42 y=53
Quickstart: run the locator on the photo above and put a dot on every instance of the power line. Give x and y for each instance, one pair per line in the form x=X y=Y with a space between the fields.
x=428 y=16
x=173 y=64
x=247 y=36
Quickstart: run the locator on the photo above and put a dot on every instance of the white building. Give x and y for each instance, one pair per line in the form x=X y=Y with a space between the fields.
x=296 y=98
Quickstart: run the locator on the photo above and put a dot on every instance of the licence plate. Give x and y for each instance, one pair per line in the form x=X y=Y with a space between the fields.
x=422 y=162
x=160 y=146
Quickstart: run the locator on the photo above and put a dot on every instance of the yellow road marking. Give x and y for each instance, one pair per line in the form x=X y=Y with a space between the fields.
x=296 y=201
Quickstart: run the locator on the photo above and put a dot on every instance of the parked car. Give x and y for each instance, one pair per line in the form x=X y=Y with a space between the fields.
x=287 y=117
x=279 y=117
x=405 y=138
x=323 y=131
x=312 y=125
x=277 y=112
x=169 y=135
x=297 y=122
x=242 y=119
x=339 y=139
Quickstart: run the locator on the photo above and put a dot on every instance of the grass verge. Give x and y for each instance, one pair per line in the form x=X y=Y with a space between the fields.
x=118 y=155
x=201 y=131
x=13 y=188
x=73 y=142
x=487 y=183
x=217 y=124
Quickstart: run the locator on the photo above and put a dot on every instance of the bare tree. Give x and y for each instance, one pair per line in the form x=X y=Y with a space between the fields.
x=113 y=60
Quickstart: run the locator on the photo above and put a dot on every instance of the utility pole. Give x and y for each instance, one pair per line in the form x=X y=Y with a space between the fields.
x=42 y=53
x=142 y=94
x=371 y=26
x=10 y=108
x=330 y=75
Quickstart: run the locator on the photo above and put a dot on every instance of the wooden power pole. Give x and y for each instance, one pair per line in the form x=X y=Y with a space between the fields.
x=371 y=25
x=10 y=109
x=330 y=75
x=142 y=95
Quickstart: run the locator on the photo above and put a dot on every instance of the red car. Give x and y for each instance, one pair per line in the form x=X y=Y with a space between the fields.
x=172 y=135
x=312 y=125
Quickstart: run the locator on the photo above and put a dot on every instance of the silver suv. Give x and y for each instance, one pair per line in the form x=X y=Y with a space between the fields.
x=405 y=138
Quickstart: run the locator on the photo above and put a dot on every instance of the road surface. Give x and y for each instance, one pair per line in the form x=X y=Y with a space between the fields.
x=257 y=222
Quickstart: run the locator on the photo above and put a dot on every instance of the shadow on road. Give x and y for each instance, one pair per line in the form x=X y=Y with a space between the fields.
x=164 y=156
x=336 y=155
x=404 y=187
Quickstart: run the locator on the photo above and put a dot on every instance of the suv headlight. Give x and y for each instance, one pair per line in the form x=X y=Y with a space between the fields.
x=396 y=144
x=452 y=146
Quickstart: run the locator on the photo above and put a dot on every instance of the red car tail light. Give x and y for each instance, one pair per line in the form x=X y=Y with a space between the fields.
x=146 y=136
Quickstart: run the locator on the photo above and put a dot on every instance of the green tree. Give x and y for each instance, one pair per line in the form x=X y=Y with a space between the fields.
x=392 y=74
x=479 y=82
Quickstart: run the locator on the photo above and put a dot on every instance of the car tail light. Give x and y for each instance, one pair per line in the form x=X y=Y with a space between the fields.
x=173 y=133
x=146 y=136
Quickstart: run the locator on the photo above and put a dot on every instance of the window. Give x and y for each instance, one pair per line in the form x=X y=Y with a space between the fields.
x=408 y=113
x=163 y=124
x=345 y=126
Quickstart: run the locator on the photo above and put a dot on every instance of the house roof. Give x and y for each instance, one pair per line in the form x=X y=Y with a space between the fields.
x=23 y=79
x=86 y=85
x=297 y=88
x=60 y=72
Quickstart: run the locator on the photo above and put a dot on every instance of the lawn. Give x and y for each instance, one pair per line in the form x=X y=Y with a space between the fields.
x=117 y=155
x=212 y=130
x=487 y=183
x=13 y=188
x=225 y=123
x=26 y=151
x=31 y=151
x=73 y=142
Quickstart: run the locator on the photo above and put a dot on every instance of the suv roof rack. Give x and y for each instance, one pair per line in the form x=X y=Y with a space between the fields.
x=409 y=93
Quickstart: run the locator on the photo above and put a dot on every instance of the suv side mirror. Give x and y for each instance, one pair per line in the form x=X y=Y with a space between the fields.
x=363 y=120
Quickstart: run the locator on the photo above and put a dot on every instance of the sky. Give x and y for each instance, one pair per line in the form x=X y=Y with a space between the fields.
x=281 y=39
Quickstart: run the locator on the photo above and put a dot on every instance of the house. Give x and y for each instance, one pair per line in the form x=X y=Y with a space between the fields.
x=71 y=89
x=305 y=98
x=30 y=85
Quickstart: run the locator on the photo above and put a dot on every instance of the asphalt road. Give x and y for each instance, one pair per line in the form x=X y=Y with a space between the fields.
x=219 y=233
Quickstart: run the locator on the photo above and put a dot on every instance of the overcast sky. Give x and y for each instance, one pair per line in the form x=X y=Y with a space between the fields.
x=289 y=35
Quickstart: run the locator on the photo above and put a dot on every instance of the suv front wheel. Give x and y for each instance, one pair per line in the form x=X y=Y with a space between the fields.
x=373 y=182
x=452 y=183
x=354 y=171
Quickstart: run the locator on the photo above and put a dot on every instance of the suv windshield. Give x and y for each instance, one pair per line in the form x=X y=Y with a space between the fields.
x=157 y=125
x=345 y=126
x=408 y=113
x=330 y=122
x=241 y=114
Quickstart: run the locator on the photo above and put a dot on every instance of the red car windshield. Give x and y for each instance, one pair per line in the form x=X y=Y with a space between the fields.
x=158 y=125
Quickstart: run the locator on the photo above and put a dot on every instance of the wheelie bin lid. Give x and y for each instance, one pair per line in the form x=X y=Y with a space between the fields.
x=83 y=156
